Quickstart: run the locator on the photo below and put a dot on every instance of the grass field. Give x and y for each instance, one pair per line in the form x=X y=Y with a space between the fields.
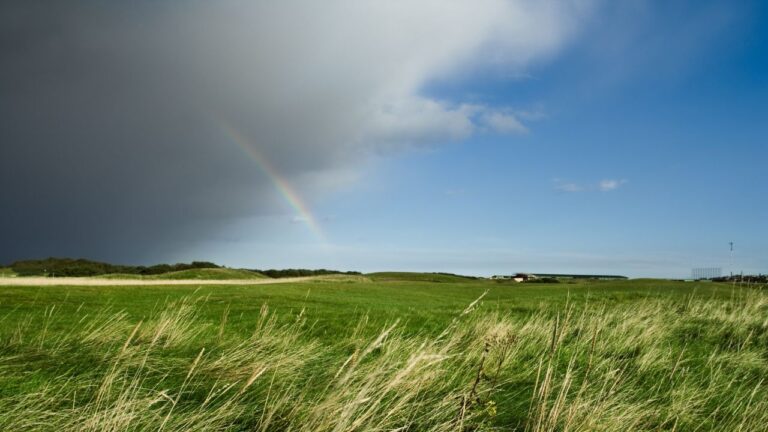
x=394 y=351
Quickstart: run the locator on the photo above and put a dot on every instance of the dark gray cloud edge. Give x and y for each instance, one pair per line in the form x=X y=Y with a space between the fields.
x=110 y=140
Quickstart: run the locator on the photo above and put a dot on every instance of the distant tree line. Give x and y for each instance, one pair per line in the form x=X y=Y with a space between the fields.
x=456 y=275
x=84 y=267
x=273 y=273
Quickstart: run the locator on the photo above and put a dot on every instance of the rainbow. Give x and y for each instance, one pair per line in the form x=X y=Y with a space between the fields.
x=281 y=185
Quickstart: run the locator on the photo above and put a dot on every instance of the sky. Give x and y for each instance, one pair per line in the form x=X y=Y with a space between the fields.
x=477 y=137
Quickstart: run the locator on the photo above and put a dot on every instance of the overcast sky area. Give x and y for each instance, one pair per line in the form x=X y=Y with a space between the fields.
x=478 y=137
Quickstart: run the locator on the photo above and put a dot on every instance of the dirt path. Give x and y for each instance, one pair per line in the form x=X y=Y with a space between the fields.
x=70 y=281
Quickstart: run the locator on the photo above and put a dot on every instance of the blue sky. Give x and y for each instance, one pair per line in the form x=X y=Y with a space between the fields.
x=668 y=106
x=477 y=137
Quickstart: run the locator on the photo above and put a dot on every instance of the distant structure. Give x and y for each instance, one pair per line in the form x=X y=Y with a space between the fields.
x=524 y=277
x=730 y=259
x=517 y=277
x=706 y=273
x=580 y=276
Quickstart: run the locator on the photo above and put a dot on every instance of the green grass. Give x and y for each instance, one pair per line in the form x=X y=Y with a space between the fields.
x=7 y=272
x=385 y=352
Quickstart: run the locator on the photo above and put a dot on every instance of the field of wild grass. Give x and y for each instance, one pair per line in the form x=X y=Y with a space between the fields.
x=386 y=355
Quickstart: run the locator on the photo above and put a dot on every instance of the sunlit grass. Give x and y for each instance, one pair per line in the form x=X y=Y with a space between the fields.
x=661 y=362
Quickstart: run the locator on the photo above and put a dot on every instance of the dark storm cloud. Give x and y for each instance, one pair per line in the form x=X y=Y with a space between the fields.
x=102 y=153
x=111 y=142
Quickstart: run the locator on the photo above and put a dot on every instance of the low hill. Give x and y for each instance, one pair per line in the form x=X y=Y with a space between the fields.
x=203 y=274
x=211 y=274
x=418 y=277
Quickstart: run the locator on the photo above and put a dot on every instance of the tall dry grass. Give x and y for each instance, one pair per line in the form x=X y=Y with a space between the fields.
x=657 y=364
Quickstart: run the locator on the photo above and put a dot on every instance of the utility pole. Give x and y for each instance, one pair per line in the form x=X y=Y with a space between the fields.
x=731 y=259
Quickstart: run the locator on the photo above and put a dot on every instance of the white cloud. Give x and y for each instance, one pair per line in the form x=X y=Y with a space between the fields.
x=336 y=79
x=415 y=120
x=503 y=123
x=608 y=185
